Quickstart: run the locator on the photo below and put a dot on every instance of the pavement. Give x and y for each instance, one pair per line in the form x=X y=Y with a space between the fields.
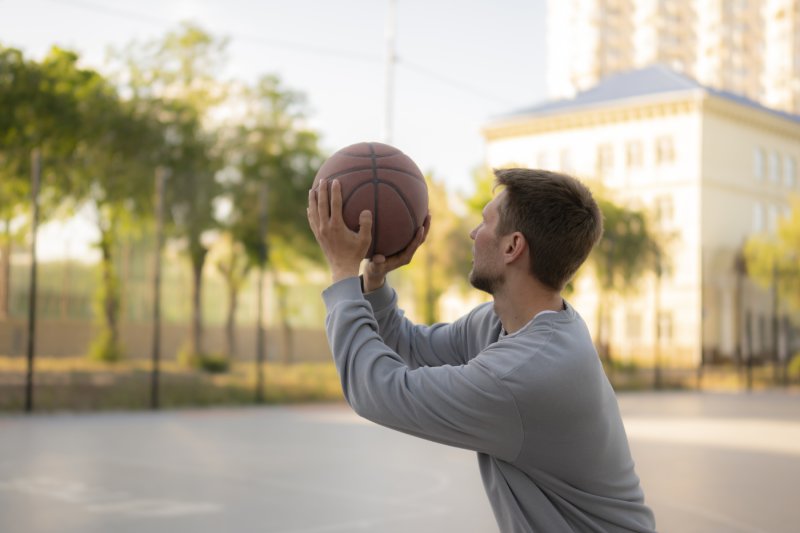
x=708 y=463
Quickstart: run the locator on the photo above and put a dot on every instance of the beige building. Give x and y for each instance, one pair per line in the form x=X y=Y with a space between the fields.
x=709 y=167
x=749 y=47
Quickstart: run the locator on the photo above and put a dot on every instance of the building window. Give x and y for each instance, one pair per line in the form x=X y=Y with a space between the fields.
x=758 y=163
x=664 y=326
x=774 y=167
x=758 y=218
x=773 y=218
x=664 y=211
x=541 y=160
x=665 y=150
x=633 y=154
x=789 y=178
x=565 y=159
x=633 y=326
x=605 y=159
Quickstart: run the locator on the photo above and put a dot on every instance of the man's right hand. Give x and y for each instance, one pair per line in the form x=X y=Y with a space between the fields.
x=377 y=267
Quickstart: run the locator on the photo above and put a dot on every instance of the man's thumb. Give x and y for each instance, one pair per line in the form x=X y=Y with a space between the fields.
x=365 y=224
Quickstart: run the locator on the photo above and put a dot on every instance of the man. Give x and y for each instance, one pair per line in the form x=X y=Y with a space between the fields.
x=517 y=380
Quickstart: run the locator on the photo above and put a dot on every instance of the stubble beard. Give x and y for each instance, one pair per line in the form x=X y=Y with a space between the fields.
x=485 y=282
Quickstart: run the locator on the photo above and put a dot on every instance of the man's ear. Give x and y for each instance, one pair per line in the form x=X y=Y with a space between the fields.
x=514 y=246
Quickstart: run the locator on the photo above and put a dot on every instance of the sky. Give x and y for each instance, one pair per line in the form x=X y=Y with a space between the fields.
x=459 y=62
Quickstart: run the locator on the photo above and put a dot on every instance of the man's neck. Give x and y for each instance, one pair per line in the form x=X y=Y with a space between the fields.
x=516 y=306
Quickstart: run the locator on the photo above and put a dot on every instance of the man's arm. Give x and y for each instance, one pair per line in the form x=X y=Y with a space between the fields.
x=465 y=405
x=343 y=248
x=419 y=345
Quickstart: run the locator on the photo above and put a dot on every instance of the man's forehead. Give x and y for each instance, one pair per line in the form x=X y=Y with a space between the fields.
x=495 y=202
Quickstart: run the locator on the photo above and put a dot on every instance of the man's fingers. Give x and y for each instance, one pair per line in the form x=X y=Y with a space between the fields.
x=323 y=205
x=336 y=202
x=426 y=226
x=311 y=211
x=365 y=225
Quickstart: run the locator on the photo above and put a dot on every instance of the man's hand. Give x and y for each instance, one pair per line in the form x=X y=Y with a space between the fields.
x=343 y=247
x=377 y=268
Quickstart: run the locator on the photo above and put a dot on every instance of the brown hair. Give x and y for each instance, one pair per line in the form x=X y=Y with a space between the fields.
x=558 y=217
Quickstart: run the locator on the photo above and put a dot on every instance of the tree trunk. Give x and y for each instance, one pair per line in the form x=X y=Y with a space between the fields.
x=230 y=322
x=197 y=308
x=111 y=301
x=5 y=272
x=286 y=326
x=601 y=333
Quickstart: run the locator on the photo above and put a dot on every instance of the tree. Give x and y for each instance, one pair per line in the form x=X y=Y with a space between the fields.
x=271 y=150
x=180 y=72
x=117 y=162
x=623 y=254
x=40 y=111
x=774 y=260
x=446 y=258
x=230 y=258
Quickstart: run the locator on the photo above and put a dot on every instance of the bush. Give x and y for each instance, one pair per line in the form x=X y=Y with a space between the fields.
x=209 y=362
x=794 y=367
x=214 y=363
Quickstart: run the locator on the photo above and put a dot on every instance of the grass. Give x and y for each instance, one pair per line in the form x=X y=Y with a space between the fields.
x=81 y=384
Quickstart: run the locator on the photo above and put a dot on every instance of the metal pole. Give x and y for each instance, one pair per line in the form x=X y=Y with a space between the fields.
x=775 y=360
x=657 y=378
x=749 y=351
x=36 y=171
x=262 y=261
x=159 y=212
x=391 y=60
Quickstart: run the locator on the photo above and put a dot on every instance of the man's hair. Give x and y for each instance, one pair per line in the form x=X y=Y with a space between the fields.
x=558 y=217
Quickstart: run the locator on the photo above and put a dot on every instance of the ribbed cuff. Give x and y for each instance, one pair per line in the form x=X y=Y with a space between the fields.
x=380 y=298
x=342 y=290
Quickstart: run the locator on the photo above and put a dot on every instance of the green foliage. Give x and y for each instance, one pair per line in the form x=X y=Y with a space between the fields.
x=445 y=259
x=776 y=258
x=101 y=142
x=275 y=159
x=625 y=251
x=794 y=367
x=106 y=348
x=483 y=181
x=208 y=362
x=214 y=363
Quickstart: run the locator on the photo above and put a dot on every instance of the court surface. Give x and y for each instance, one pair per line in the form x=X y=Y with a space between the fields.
x=708 y=463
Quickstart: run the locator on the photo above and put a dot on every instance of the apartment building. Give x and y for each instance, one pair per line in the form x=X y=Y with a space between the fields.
x=748 y=47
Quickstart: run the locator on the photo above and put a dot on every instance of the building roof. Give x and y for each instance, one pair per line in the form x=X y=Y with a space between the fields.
x=641 y=83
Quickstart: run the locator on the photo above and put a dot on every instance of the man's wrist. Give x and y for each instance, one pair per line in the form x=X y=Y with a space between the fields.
x=340 y=273
x=370 y=284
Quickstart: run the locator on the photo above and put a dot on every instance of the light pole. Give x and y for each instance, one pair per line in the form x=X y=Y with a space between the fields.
x=161 y=176
x=36 y=174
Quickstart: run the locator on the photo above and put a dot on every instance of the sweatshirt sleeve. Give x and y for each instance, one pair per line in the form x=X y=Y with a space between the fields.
x=418 y=345
x=465 y=406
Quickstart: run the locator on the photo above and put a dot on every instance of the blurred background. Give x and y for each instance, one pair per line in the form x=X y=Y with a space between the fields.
x=155 y=160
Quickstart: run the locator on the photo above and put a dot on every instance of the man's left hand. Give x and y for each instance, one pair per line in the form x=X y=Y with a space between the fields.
x=343 y=248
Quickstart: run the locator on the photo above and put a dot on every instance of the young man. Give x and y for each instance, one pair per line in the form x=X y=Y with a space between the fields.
x=517 y=380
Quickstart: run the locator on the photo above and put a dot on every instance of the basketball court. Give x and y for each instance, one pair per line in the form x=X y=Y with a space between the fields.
x=708 y=463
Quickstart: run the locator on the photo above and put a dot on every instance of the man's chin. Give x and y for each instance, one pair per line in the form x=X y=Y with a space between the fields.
x=482 y=284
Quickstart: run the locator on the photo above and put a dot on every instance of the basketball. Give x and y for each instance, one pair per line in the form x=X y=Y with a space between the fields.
x=379 y=178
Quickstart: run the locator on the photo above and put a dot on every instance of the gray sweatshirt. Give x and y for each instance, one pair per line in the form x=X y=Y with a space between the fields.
x=535 y=405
